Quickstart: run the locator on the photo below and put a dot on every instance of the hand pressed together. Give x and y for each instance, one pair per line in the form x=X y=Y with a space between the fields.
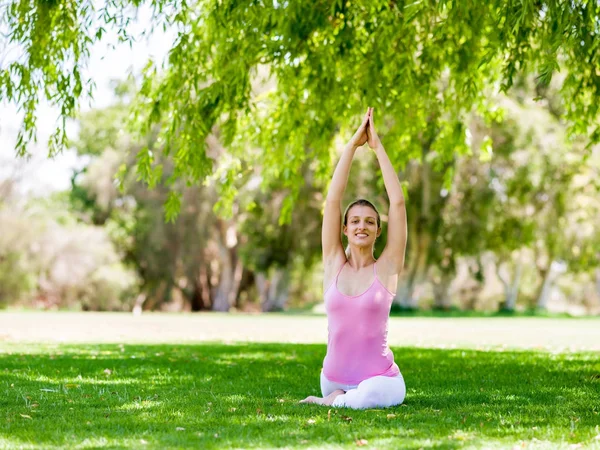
x=372 y=136
x=366 y=132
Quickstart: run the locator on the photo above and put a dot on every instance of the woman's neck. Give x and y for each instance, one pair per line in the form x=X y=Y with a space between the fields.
x=360 y=257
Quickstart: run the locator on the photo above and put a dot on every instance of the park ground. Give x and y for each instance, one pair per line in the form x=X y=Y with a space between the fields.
x=92 y=380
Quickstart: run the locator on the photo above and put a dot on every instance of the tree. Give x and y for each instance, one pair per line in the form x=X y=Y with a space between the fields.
x=173 y=260
x=422 y=64
x=271 y=249
x=208 y=261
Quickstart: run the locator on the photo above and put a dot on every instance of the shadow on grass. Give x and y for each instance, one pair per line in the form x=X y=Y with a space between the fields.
x=245 y=396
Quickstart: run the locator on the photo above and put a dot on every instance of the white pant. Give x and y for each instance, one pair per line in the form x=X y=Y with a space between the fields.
x=376 y=392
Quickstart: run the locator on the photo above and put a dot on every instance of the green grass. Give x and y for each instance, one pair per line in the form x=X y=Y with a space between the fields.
x=245 y=396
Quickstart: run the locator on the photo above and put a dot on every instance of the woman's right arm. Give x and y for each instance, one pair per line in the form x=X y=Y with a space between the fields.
x=331 y=240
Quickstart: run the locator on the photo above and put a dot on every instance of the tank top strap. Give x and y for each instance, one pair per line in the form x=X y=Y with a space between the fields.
x=334 y=281
x=375 y=277
x=340 y=271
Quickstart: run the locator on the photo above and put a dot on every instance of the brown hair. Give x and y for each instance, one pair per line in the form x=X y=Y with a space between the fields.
x=362 y=202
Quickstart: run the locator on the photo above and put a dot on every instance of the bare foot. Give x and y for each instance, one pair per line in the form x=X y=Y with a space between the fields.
x=322 y=401
x=312 y=399
x=331 y=397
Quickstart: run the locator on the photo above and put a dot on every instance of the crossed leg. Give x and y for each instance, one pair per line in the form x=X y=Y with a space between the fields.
x=375 y=392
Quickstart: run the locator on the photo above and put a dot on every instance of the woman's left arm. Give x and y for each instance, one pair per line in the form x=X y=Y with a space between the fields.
x=395 y=247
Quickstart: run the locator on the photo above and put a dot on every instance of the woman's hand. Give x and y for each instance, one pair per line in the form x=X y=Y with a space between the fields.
x=360 y=137
x=372 y=137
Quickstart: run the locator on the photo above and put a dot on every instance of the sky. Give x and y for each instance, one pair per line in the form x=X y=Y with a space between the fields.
x=39 y=174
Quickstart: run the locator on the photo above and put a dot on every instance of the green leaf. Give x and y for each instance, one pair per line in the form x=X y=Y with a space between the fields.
x=172 y=206
x=486 y=149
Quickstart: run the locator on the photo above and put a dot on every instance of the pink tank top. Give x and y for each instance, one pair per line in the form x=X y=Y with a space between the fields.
x=357 y=346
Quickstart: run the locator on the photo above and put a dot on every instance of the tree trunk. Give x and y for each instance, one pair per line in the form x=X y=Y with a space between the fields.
x=225 y=293
x=514 y=288
x=226 y=282
x=511 y=289
x=419 y=234
x=405 y=295
x=505 y=305
x=237 y=279
x=262 y=286
x=154 y=297
x=200 y=293
x=139 y=304
x=197 y=287
x=405 y=282
x=246 y=283
x=278 y=291
x=441 y=294
x=549 y=276
x=204 y=280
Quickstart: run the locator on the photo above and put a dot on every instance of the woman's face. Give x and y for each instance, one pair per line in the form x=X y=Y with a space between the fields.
x=361 y=226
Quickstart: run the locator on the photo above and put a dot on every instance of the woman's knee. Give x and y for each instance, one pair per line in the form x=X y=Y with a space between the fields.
x=377 y=392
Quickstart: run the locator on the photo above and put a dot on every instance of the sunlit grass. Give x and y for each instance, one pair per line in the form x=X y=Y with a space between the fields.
x=245 y=396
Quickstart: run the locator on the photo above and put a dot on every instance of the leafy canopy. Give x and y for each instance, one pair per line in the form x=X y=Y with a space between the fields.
x=424 y=65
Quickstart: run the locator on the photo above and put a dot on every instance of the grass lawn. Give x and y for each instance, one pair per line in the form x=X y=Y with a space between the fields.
x=216 y=395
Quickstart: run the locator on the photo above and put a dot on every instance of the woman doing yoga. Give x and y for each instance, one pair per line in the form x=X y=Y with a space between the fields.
x=359 y=369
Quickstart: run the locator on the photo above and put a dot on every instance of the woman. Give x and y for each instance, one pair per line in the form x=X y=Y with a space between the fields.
x=359 y=369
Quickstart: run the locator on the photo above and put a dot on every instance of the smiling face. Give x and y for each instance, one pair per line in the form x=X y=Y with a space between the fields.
x=361 y=226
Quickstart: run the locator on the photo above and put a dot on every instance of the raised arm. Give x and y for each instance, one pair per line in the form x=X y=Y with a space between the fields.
x=331 y=239
x=393 y=254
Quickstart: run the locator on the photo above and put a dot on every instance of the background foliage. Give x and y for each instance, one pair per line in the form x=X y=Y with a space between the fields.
x=487 y=110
